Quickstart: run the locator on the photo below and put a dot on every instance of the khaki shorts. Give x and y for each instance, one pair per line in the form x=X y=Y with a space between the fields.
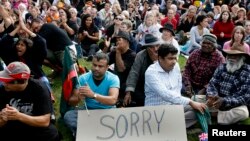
x=233 y=116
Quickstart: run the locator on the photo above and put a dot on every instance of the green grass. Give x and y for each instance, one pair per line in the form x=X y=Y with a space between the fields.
x=182 y=62
x=57 y=93
x=57 y=89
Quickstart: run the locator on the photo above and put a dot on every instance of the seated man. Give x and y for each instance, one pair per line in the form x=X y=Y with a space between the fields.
x=135 y=95
x=123 y=58
x=99 y=88
x=56 y=40
x=201 y=65
x=228 y=90
x=163 y=84
x=25 y=106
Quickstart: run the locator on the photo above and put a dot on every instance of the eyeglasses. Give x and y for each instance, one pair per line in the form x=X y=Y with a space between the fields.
x=52 y=10
x=120 y=19
x=18 y=81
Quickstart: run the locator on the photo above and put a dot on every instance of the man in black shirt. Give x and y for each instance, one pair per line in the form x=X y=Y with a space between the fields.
x=25 y=106
x=56 y=40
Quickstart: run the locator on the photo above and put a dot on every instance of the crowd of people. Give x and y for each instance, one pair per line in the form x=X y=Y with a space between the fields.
x=134 y=47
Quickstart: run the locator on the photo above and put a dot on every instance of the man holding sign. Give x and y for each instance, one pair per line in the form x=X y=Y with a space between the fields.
x=99 y=88
x=163 y=84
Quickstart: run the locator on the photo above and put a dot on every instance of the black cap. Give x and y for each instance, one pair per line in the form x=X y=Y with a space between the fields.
x=123 y=34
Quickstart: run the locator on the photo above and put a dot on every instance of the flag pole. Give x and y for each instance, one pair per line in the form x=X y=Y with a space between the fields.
x=80 y=85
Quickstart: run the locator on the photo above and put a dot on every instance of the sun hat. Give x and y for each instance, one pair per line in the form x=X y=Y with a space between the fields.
x=15 y=71
x=123 y=34
x=169 y=27
x=150 y=40
x=237 y=50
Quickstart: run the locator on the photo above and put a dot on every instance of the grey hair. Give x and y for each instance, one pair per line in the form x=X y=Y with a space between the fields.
x=73 y=9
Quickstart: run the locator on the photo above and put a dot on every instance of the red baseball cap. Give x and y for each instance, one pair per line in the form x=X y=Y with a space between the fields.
x=14 y=71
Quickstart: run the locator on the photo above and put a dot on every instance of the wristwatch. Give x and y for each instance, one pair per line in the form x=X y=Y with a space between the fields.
x=95 y=95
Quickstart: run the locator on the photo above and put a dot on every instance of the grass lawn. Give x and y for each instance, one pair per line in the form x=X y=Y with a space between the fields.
x=57 y=93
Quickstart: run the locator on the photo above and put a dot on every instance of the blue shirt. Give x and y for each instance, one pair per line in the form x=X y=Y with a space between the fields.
x=233 y=87
x=110 y=80
x=163 y=88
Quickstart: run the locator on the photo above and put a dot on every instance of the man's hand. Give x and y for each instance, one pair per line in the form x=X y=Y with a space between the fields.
x=214 y=101
x=218 y=102
x=127 y=99
x=12 y=113
x=119 y=49
x=3 y=115
x=85 y=91
x=3 y=118
x=198 y=106
x=210 y=100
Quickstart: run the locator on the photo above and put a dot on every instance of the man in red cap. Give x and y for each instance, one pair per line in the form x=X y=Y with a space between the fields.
x=25 y=106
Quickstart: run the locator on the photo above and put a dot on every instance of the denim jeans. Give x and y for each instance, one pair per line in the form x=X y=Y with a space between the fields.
x=70 y=119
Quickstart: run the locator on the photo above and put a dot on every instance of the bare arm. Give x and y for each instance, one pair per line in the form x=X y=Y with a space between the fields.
x=107 y=100
x=6 y=17
x=36 y=121
x=23 y=26
x=106 y=45
x=14 y=32
x=66 y=27
x=75 y=98
x=111 y=99
x=119 y=62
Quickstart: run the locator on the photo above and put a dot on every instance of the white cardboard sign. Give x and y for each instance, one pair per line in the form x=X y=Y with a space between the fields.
x=152 y=123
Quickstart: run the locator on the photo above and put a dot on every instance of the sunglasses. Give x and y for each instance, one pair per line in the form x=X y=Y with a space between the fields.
x=120 y=19
x=18 y=81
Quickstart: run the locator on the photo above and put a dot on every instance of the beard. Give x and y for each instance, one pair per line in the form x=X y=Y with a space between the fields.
x=233 y=66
